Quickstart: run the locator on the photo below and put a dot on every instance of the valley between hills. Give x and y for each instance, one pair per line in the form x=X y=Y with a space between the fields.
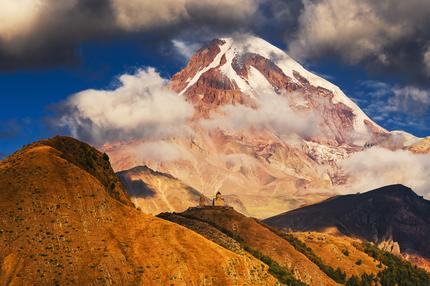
x=66 y=219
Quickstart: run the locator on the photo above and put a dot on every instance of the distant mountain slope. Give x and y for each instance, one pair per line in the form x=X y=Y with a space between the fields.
x=156 y=192
x=264 y=129
x=65 y=220
x=392 y=213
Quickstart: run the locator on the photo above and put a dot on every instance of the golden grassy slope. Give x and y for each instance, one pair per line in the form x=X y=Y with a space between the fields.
x=421 y=147
x=339 y=251
x=60 y=225
x=265 y=241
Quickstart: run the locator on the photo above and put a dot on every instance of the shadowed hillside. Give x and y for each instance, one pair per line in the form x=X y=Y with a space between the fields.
x=392 y=213
x=66 y=220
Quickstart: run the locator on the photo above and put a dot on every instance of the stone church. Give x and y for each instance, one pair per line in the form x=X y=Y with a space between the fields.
x=218 y=201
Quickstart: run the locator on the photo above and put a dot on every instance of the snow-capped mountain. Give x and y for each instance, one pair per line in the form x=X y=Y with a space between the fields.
x=239 y=71
x=265 y=129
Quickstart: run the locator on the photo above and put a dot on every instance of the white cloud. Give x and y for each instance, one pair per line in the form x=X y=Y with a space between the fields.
x=24 y=16
x=142 y=106
x=397 y=107
x=353 y=29
x=273 y=112
x=48 y=32
x=155 y=152
x=137 y=14
x=411 y=99
x=185 y=49
x=18 y=17
x=377 y=167
x=142 y=15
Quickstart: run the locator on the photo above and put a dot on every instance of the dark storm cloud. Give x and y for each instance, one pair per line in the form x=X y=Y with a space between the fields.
x=389 y=36
x=47 y=33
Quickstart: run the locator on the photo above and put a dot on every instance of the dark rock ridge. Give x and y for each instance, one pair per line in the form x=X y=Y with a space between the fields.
x=392 y=212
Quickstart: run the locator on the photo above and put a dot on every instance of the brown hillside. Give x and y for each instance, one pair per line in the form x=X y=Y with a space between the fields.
x=339 y=251
x=64 y=223
x=263 y=240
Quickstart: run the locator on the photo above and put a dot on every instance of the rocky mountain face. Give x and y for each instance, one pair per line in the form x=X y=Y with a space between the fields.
x=393 y=216
x=66 y=220
x=264 y=129
x=153 y=191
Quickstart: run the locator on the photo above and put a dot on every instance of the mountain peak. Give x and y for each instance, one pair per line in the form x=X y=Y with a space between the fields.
x=395 y=189
x=262 y=124
x=243 y=70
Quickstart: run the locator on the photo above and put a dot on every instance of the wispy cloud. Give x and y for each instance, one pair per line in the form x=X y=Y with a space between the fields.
x=141 y=106
x=185 y=49
x=11 y=128
x=395 y=106
x=273 y=112
x=377 y=167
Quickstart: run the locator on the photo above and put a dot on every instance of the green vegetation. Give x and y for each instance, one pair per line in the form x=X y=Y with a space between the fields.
x=397 y=271
x=105 y=157
x=364 y=280
x=90 y=160
x=281 y=273
x=233 y=235
x=336 y=274
x=284 y=276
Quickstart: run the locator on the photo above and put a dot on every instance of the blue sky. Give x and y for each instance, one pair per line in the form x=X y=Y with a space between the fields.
x=29 y=96
x=388 y=80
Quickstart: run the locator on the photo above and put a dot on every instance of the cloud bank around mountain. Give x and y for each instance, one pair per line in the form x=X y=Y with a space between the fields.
x=273 y=112
x=141 y=106
x=377 y=167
